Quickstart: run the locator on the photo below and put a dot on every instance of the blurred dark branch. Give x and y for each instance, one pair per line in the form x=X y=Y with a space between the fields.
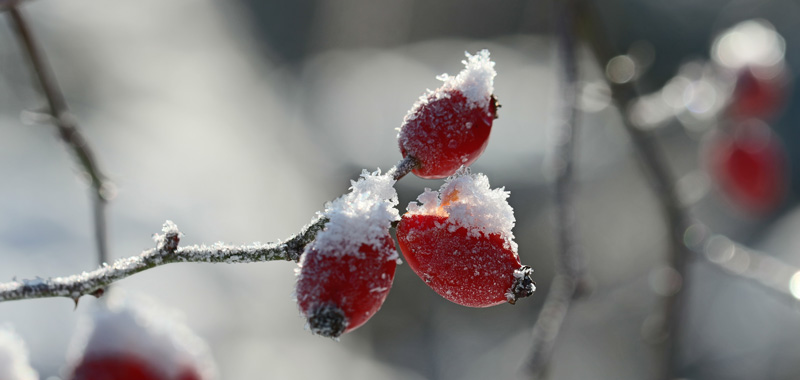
x=569 y=266
x=66 y=125
x=166 y=251
x=661 y=179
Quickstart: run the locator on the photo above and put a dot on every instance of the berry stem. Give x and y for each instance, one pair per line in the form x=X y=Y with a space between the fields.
x=405 y=166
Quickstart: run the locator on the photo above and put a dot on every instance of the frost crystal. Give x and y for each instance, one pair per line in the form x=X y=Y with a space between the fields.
x=468 y=201
x=362 y=216
x=135 y=326
x=14 y=357
x=475 y=81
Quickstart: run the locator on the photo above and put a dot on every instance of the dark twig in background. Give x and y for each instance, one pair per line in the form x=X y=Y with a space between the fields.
x=663 y=182
x=569 y=265
x=67 y=127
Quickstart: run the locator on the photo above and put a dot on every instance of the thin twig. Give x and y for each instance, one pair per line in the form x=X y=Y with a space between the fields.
x=655 y=164
x=569 y=266
x=405 y=166
x=167 y=251
x=66 y=125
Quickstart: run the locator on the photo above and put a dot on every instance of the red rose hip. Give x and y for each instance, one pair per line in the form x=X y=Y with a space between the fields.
x=450 y=127
x=459 y=242
x=347 y=271
x=748 y=163
x=136 y=339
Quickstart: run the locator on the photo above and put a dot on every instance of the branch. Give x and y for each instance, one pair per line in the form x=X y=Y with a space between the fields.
x=569 y=268
x=66 y=125
x=662 y=180
x=167 y=251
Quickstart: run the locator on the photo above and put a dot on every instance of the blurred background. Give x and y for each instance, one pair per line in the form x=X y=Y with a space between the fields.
x=238 y=120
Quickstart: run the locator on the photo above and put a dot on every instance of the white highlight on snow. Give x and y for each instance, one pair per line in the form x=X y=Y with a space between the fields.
x=14 y=363
x=362 y=216
x=139 y=327
x=475 y=81
x=468 y=201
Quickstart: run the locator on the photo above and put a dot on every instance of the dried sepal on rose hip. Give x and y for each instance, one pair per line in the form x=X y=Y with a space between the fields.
x=347 y=271
x=449 y=127
x=14 y=363
x=135 y=338
x=459 y=241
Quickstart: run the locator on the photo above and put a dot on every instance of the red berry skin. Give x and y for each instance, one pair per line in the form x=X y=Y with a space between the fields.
x=354 y=284
x=446 y=132
x=468 y=270
x=749 y=165
x=757 y=96
x=123 y=367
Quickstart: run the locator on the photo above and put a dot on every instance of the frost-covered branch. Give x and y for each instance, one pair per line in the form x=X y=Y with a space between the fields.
x=569 y=266
x=167 y=251
x=65 y=123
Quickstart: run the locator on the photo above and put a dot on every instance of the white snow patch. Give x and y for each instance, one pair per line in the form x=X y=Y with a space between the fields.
x=139 y=327
x=468 y=201
x=475 y=81
x=14 y=363
x=362 y=216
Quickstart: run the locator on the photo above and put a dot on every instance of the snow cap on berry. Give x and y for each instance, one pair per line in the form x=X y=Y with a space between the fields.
x=14 y=357
x=469 y=201
x=475 y=81
x=136 y=326
x=360 y=217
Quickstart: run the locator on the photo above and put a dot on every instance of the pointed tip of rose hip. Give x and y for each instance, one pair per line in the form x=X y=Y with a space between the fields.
x=328 y=321
x=523 y=286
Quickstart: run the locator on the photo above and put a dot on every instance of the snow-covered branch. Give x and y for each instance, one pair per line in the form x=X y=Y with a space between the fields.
x=166 y=251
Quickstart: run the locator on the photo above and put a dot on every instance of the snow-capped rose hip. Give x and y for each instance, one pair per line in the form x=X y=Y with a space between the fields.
x=135 y=339
x=459 y=242
x=450 y=127
x=347 y=271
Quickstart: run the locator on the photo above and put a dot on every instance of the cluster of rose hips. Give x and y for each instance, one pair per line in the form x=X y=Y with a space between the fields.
x=745 y=157
x=458 y=240
x=732 y=99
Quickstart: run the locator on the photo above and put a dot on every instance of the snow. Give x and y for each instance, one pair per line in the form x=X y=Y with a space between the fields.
x=468 y=201
x=137 y=326
x=14 y=357
x=475 y=81
x=362 y=216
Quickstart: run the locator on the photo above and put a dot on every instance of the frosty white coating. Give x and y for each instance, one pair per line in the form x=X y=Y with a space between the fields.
x=468 y=201
x=14 y=357
x=475 y=81
x=139 y=327
x=362 y=216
